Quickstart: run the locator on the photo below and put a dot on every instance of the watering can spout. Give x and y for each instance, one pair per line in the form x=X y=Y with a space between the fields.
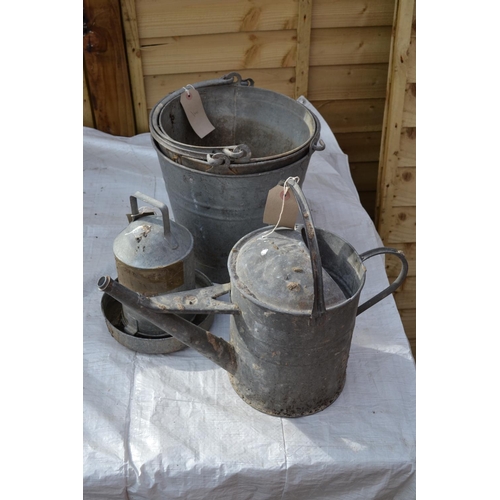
x=214 y=348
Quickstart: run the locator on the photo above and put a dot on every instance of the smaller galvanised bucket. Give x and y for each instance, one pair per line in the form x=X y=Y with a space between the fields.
x=253 y=126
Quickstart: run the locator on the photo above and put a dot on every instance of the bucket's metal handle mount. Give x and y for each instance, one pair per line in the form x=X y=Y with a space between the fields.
x=240 y=153
x=317 y=144
x=248 y=82
x=318 y=308
x=394 y=285
x=172 y=243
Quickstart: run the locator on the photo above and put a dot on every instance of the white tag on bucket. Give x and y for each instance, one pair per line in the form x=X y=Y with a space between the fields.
x=191 y=102
x=281 y=207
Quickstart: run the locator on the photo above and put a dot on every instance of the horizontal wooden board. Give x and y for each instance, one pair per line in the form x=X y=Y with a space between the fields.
x=280 y=80
x=333 y=46
x=407 y=147
x=362 y=81
x=192 y=17
x=353 y=115
x=338 y=13
x=227 y=52
x=405 y=187
x=405 y=296
x=393 y=264
x=364 y=175
x=410 y=106
x=360 y=146
x=402 y=224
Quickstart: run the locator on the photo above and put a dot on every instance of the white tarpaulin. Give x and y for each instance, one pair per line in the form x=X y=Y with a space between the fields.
x=172 y=427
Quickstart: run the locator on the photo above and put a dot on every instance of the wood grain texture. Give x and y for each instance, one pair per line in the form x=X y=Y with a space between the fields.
x=393 y=264
x=106 y=67
x=334 y=46
x=132 y=44
x=411 y=75
x=393 y=115
x=364 y=175
x=227 y=52
x=409 y=320
x=360 y=146
x=402 y=225
x=280 y=80
x=363 y=81
x=407 y=154
x=367 y=199
x=410 y=106
x=88 y=117
x=362 y=115
x=175 y=18
x=405 y=295
x=303 y=48
x=339 y=13
x=405 y=187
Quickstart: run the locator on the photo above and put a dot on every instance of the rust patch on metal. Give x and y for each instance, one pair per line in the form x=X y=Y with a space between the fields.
x=214 y=343
x=293 y=286
x=151 y=282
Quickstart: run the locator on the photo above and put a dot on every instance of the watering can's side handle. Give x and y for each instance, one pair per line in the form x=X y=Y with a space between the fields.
x=318 y=308
x=394 y=285
x=164 y=212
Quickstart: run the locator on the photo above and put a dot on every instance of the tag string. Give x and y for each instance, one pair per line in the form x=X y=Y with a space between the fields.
x=186 y=88
x=296 y=179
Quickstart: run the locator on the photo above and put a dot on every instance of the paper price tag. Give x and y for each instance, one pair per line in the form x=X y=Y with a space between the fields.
x=191 y=102
x=276 y=200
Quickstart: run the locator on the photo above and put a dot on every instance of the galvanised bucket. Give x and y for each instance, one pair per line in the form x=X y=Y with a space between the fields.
x=252 y=126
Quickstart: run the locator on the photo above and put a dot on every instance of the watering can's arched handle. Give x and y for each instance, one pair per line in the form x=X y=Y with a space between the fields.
x=164 y=212
x=394 y=285
x=318 y=308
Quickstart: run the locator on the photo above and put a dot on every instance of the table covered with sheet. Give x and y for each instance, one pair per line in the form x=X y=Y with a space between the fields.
x=172 y=427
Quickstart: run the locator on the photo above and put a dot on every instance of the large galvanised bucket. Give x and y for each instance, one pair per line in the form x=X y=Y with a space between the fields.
x=218 y=209
x=218 y=185
x=255 y=129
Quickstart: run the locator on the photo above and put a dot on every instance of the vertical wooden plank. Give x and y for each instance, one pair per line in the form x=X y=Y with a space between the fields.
x=303 y=47
x=129 y=18
x=88 y=117
x=106 y=64
x=393 y=115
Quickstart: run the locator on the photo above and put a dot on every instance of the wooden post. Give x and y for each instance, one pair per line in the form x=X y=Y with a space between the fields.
x=303 y=47
x=106 y=67
x=133 y=47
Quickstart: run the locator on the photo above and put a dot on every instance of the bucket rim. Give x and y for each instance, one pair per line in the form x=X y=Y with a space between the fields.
x=162 y=155
x=156 y=128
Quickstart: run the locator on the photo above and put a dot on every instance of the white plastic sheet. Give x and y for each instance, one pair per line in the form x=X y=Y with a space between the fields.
x=172 y=427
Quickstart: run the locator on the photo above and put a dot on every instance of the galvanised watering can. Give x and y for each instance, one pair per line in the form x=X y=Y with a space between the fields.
x=294 y=302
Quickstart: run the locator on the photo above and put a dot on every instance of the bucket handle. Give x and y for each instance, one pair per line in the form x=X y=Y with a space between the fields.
x=318 y=308
x=394 y=285
x=172 y=243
